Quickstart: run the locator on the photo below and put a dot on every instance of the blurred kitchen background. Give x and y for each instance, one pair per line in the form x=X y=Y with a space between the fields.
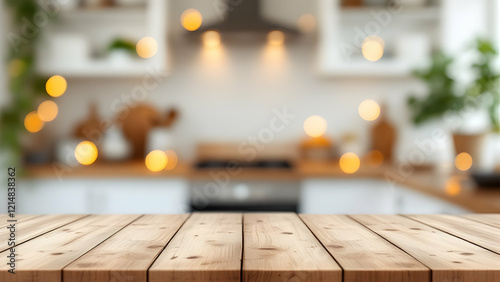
x=325 y=106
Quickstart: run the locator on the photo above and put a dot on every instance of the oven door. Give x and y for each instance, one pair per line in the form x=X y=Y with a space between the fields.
x=245 y=195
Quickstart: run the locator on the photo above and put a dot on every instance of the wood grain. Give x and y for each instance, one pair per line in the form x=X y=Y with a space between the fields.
x=43 y=258
x=490 y=219
x=280 y=247
x=29 y=229
x=450 y=258
x=19 y=218
x=129 y=253
x=478 y=233
x=207 y=248
x=362 y=254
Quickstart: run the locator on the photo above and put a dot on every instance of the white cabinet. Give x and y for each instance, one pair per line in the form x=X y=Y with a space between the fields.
x=130 y=196
x=409 y=33
x=346 y=196
x=76 y=43
x=366 y=196
x=412 y=202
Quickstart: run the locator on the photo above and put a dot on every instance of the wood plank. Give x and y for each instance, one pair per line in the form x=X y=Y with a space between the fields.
x=487 y=218
x=280 y=247
x=36 y=226
x=207 y=248
x=43 y=258
x=362 y=254
x=478 y=233
x=448 y=257
x=19 y=218
x=129 y=253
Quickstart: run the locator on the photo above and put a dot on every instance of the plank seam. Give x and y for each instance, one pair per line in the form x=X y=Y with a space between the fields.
x=444 y=231
x=373 y=231
x=478 y=221
x=113 y=234
x=48 y=231
x=324 y=247
x=164 y=247
x=35 y=216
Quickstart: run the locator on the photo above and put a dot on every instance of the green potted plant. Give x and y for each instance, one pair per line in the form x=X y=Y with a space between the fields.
x=444 y=98
x=441 y=97
x=485 y=90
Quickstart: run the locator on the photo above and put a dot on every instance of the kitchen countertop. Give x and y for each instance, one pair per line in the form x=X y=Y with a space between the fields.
x=253 y=247
x=453 y=188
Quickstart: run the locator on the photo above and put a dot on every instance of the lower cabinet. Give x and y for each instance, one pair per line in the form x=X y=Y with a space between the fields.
x=145 y=195
x=367 y=196
x=127 y=196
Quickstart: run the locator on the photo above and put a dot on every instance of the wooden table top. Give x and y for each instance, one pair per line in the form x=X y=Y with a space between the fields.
x=254 y=247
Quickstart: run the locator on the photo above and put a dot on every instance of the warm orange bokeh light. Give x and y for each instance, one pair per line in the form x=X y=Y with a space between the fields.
x=146 y=47
x=211 y=38
x=453 y=186
x=463 y=161
x=33 y=123
x=373 y=48
x=369 y=110
x=191 y=19
x=315 y=126
x=375 y=158
x=56 y=86
x=276 y=38
x=47 y=111
x=86 y=153
x=171 y=159
x=349 y=163
x=156 y=160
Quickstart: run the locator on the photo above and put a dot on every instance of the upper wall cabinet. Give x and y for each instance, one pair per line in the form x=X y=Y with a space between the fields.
x=88 y=41
x=390 y=38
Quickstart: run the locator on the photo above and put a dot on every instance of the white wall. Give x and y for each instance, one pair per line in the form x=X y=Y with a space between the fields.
x=230 y=94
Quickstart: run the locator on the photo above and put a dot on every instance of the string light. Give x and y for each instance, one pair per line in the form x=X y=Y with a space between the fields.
x=156 y=160
x=315 y=126
x=86 y=153
x=56 y=86
x=191 y=19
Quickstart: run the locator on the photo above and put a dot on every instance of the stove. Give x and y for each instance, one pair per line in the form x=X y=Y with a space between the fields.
x=262 y=184
x=261 y=164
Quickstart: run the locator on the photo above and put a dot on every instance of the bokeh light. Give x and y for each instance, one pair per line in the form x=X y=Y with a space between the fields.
x=86 y=153
x=146 y=47
x=191 y=19
x=56 y=86
x=373 y=48
x=33 y=123
x=306 y=23
x=47 y=111
x=211 y=38
x=369 y=110
x=172 y=159
x=349 y=163
x=156 y=160
x=453 y=186
x=463 y=161
x=315 y=126
x=276 y=38
x=375 y=158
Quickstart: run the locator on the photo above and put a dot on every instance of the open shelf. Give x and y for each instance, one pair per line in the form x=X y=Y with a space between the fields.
x=104 y=14
x=410 y=13
x=75 y=44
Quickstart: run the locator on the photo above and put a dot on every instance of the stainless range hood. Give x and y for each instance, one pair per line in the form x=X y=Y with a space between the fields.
x=245 y=15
